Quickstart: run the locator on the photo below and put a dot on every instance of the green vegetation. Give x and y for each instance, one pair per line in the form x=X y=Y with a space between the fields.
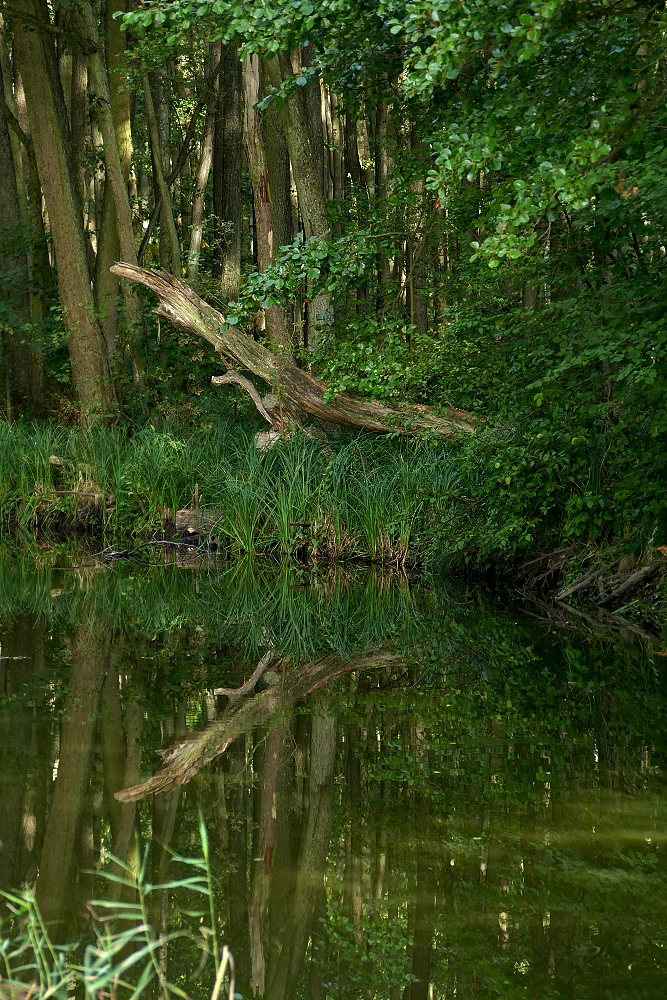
x=354 y=496
x=477 y=220
x=125 y=957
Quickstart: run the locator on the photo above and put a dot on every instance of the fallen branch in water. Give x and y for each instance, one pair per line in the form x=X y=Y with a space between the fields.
x=185 y=309
x=183 y=760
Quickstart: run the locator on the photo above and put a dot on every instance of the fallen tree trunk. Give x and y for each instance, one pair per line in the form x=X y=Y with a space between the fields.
x=185 y=309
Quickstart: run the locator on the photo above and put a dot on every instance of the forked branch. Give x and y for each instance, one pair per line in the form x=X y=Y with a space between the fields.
x=184 y=308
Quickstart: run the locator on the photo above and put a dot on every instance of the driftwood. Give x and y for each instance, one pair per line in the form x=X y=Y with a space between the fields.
x=579 y=584
x=182 y=761
x=632 y=582
x=185 y=309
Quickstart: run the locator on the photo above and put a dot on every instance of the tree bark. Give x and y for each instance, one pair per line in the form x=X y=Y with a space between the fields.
x=160 y=182
x=49 y=131
x=309 y=188
x=258 y=156
x=27 y=183
x=185 y=309
x=15 y=270
x=201 y=180
x=227 y=177
x=117 y=226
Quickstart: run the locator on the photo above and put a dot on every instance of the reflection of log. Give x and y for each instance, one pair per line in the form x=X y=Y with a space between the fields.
x=184 y=308
x=186 y=758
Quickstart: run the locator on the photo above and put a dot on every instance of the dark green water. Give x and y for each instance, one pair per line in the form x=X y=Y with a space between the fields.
x=479 y=810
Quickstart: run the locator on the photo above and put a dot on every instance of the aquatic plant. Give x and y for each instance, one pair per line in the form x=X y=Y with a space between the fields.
x=126 y=956
x=353 y=497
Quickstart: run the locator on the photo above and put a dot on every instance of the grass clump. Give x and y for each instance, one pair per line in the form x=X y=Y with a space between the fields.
x=358 y=497
x=485 y=498
x=126 y=951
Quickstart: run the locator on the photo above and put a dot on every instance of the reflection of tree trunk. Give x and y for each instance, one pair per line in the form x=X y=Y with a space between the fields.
x=165 y=809
x=15 y=746
x=353 y=875
x=237 y=893
x=89 y=661
x=121 y=757
x=290 y=806
x=312 y=860
x=112 y=743
x=424 y=920
x=263 y=859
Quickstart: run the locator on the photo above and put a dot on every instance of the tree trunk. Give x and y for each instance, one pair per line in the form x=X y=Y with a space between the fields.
x=227 y=177
x=309 y=188
x=18 y=356
x=109 y=84
x=185 y=309
x=258 y=156
x=160 y=183
x=29 y=193
x=353 y=168
x=201 y=180
x=48 y=128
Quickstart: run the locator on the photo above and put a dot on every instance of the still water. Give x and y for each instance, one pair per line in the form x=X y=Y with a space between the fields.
x=420 y=794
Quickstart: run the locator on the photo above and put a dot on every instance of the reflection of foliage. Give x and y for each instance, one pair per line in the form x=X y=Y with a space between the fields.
x=373 y=953
x=512 y=777
x=525 y=777
x=248 y=605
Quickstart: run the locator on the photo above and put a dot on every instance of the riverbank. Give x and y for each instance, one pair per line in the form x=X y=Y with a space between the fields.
x=328 y=497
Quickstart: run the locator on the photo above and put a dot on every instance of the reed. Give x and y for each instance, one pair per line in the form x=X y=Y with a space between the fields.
x=355 y=497
x=124 y=956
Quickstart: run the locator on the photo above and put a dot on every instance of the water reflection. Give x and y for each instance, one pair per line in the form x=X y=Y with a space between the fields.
x=419 y=796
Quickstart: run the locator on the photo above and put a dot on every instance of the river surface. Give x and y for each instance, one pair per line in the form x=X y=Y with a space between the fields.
x=426 y=794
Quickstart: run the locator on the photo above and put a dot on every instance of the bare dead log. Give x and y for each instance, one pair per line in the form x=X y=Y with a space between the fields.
x=633 y=581
x=185 y=309
x=182 y=761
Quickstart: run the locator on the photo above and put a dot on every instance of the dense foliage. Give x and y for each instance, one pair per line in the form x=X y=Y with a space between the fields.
x=479 y=215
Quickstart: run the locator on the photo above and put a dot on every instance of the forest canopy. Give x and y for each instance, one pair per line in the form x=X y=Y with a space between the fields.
x=442 y=204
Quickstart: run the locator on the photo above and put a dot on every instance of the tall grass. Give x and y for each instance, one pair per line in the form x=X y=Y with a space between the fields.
x=354 y=497
x=124 y=956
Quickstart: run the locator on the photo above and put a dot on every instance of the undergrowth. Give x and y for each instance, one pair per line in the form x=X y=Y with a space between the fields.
x=476 y=499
